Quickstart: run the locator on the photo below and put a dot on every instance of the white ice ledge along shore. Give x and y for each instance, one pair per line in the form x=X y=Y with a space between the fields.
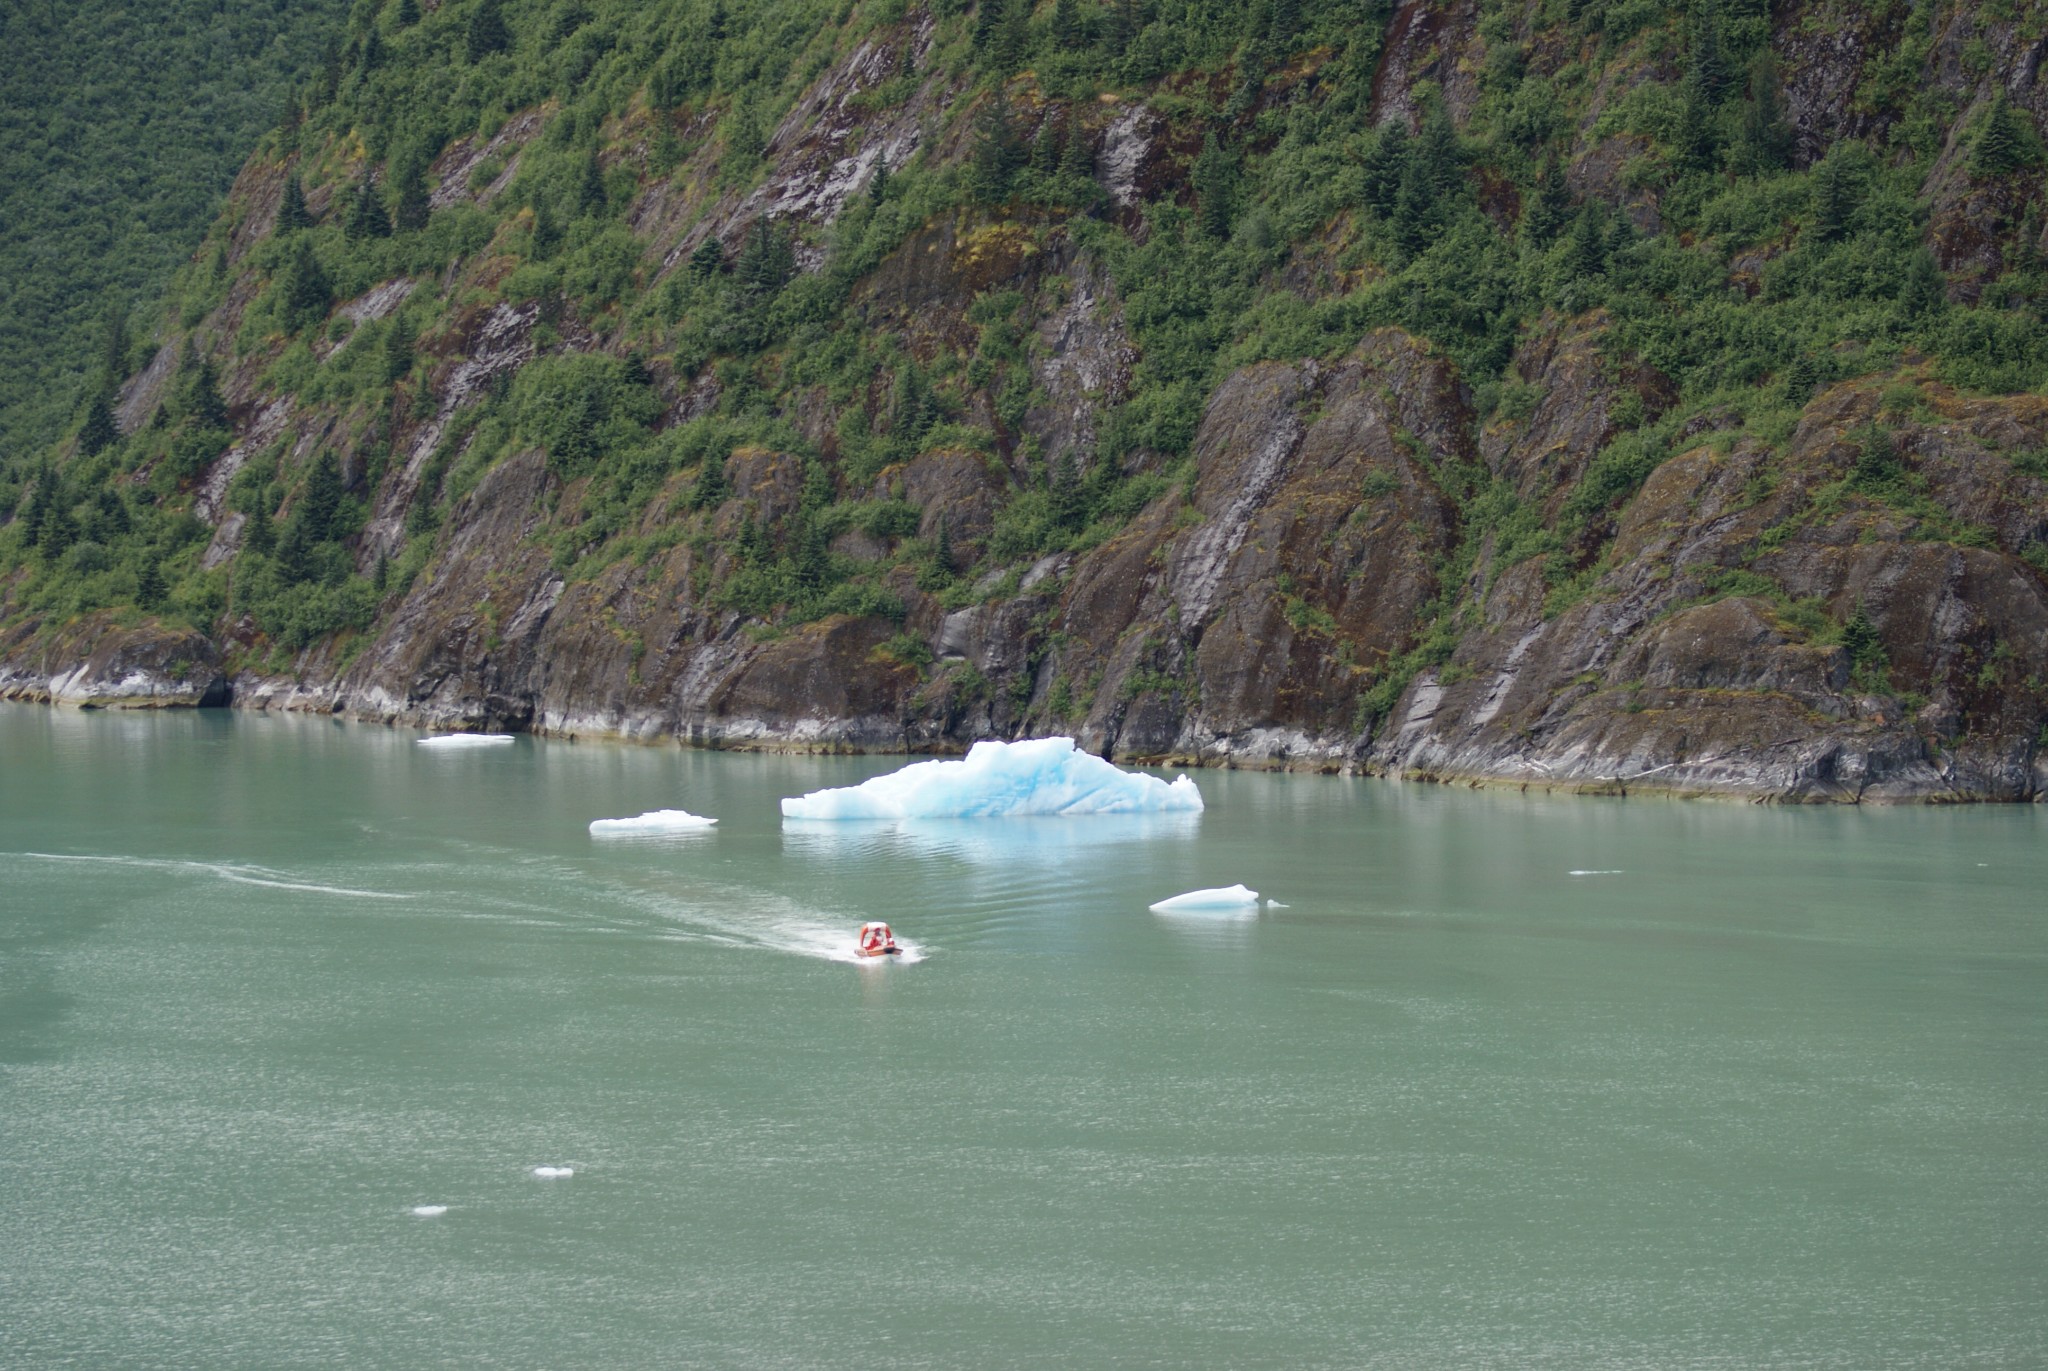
x=1000 y=780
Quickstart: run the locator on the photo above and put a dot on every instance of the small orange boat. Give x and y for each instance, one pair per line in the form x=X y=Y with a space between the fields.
x=877 y=941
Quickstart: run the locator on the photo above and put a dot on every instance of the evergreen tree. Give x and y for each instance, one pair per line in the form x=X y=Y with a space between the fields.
x=259 y=535
x=295 y=553
x=1707 y=65
x=42 y=504
x=396 y=363
x=1214 y=179
x=487 y=32
x=2001 y=144
x=1069 y=29
x=1437 y=150
x=1415 y=209
x=1764 y=142
x=1045 y=148
x=1077 y=159
x=1013 y=35
x=752 y=541
x=1386 y=163
x=407 y=14
x=380 y=579
x=1126 y=21
x=372 y=55
x=366 y=217
x=98 y=432
x=1835 y=194
x=810 y=564
x=1069 y=502
x=1695 y=141
x=292 y=214
x=149 y=582
x=767 y=260
x=57 y=530
x=547 y=234
x=1802 y=378
x=912 y=409
x=878 y=184
x=997 y=152
x=937 y=571
x=1585 y=254
x=409 y=177
x=1285 y=24
x=1923 y=291
x=114 y=342
x=199 y=396
x=590 y=196
x=320 y=501
x=711 y=487
x=306 y=292
x=1548 y=207
x=709 y=258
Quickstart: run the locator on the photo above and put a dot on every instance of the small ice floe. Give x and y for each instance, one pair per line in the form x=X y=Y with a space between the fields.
x=554 y=1173
x=1275 y=904
x=429 y=1211
x=1001 y=780
x=654 y=821
x=1230 y=898
x=466 y=740
x=1615 y=872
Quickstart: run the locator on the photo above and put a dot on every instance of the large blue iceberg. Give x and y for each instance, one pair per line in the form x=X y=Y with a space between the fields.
x=997 y=780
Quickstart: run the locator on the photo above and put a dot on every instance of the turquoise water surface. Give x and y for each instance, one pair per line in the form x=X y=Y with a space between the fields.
x=1769 y=1091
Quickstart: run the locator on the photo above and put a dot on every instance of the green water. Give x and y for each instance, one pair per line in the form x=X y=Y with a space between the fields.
x=1774 y=1095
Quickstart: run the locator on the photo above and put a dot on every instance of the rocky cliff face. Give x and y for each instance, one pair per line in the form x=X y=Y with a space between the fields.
x=1360 y=563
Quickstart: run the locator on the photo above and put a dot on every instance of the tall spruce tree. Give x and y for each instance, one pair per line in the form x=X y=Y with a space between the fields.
x=997 y=152
x=321 y=499
x=487 y=32
x=1764 y=142
x=98 y=433
x=2001 y=145
x=409 y=179
x=1215 y=181
x=292 y=214
x=1834 y=196
x=366 y=217
x=1386 y=162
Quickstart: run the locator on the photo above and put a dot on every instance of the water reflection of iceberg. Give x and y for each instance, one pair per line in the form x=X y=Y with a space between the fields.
x=1051 y=840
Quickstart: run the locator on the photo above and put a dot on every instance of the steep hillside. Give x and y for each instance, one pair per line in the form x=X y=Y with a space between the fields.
x=1607 y=395
x=121 y=128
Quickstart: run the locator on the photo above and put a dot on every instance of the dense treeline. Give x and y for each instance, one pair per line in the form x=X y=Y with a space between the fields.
x=121 y=126
x=1296 y=223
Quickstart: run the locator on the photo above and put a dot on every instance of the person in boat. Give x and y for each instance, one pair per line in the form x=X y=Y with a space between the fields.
x=877 y=941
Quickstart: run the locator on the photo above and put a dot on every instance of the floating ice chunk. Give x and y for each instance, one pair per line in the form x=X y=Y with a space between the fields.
x=995 y=780
x=554 y=1173
x=654 y=821
x=1220 y=897
x=466 y=740
x=429 y=1211
x=1616 y=872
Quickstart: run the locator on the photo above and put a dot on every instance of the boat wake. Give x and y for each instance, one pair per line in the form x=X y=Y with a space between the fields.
x=226 y=871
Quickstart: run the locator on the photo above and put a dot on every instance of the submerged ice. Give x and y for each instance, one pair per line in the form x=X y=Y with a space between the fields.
x=1036 y=776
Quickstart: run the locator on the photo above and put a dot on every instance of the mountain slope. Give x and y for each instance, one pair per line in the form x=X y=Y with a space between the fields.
x=1610 y=395
x=121 y=127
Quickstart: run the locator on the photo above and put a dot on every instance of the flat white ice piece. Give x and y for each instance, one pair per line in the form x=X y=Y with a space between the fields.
x=554 y=1173
x=429 y=1211
x=1593 y=873
x=1000 y=780
x=1219 y=897
x=654 y=821
x=466 y=740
